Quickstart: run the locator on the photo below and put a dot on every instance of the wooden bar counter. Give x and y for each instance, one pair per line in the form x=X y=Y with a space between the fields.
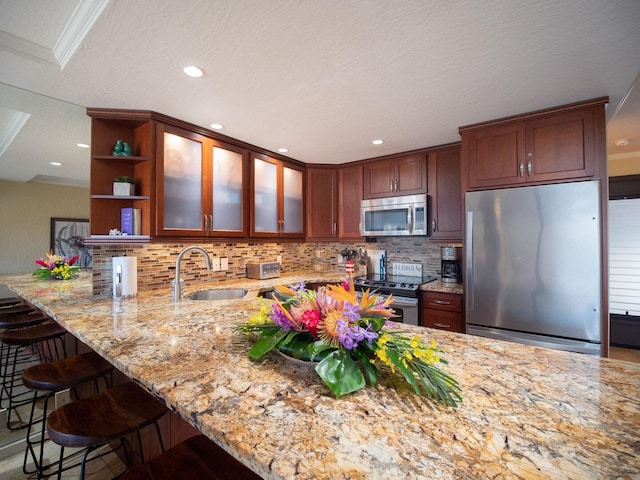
x=527 y=413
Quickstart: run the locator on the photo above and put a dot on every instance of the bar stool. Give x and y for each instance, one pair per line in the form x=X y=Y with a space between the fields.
x=103 y=418
x=23 y=320
x=196 y=457
x=16 y=309
x=22 y=348
x=53 y=377
x=9 y=301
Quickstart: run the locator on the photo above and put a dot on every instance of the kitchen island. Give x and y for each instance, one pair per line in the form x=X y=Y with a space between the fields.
x=527 y=412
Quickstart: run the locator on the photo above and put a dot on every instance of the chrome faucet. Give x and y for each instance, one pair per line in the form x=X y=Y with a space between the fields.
x=176 y=284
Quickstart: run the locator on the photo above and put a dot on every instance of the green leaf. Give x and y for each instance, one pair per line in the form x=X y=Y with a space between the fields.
x=266 y=343
x=319 y=349
x=369 y=368
x=408 y=374
x=340 y=373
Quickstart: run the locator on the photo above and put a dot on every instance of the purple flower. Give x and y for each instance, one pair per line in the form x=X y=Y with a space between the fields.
x=351 y=311
x=298 y=287
x=279 y=318
x=351 y=335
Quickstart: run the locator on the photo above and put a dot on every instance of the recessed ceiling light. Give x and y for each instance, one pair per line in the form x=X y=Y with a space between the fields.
x=193 y=71
x=623 y=142
x=83 y=145
x=216 y=126
x=56 y=164
x=283 y=150
x=378 y=142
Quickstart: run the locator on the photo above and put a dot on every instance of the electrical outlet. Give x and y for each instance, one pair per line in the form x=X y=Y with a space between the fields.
x=224 y=264
x=215 y=264
x=340 y=259
x=279 y=259
x=62 y=398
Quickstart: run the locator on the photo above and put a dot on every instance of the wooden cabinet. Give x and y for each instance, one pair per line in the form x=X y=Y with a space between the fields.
x=201 y=185
x=349 y=197
x=564 y=143
x=277 y=201
x=442 y=311
x=137 y=129
x=445 y=193
x=322 y=200
x=401 y=175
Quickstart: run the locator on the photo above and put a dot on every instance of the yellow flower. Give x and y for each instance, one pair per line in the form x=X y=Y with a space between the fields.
x=261 y=316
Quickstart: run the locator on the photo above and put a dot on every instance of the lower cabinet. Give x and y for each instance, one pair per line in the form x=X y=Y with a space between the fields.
x=442 y=311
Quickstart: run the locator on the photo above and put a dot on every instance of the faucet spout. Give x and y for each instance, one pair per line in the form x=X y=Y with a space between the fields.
x=177 y=286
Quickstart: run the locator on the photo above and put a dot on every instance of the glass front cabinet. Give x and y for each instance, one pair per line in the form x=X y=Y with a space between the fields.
x=201 y=185
x=277 y=198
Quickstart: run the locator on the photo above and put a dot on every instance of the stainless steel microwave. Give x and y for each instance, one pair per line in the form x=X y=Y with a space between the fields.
x=394 y=216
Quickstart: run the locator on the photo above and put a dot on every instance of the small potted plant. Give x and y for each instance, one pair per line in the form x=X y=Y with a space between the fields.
x=123 y=186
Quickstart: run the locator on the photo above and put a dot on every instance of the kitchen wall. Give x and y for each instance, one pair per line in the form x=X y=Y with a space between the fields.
x=156 y=262
x=25 y=218
x=619 y=165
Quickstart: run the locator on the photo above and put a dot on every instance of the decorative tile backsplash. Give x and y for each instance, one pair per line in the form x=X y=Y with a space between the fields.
x=156 y=262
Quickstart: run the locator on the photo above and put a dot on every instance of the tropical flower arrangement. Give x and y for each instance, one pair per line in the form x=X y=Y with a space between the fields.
x=348 y=338
x=57 y=266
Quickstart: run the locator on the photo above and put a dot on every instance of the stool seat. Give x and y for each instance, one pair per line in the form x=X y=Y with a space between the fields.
x=196 y=457
x=22 y=320
x=102 y=418
x=15 y=310
x=66 y=373
x=9 y=301
x=31 y=335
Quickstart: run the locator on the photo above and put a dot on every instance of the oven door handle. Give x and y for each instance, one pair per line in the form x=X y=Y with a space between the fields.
x=410 y=219
x=404 y=302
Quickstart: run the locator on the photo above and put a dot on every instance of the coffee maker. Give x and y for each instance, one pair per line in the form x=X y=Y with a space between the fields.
x=451 y=268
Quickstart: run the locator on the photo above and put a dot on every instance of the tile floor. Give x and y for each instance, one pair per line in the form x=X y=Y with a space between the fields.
x=109 y=466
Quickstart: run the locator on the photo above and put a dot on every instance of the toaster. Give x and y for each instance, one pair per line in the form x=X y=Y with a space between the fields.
x=263 y=270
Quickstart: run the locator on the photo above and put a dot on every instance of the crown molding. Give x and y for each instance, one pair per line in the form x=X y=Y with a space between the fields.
x=78 y=26
x=14 y=126
x=81 y=21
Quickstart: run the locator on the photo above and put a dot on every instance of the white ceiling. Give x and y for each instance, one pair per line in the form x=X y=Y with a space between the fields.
x=320 y=77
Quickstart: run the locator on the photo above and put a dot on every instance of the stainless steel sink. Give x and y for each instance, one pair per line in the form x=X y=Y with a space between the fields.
x=218 y=294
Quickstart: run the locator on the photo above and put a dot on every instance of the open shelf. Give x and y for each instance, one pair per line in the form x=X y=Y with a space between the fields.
x=122 y=197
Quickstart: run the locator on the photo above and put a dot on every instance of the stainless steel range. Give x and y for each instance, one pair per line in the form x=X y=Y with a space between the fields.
x=405 y=291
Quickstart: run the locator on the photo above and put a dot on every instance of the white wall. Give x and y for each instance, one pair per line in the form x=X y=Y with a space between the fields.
x=26 y=210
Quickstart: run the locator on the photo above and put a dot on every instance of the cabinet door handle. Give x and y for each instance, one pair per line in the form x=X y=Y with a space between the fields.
x=441 y=302
x=529 y=166
x=206 y=223
x=521 y=169
x=433 y=225
x=442 y=325
x=391 y=186
x=397 y=185
x=335 y=228
x=211 y=222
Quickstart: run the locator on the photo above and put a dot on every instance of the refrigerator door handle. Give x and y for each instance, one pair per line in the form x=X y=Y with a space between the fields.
x=469 y=261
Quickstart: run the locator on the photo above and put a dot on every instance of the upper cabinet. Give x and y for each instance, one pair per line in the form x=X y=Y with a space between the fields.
x=333 y=202
x=350 y=193
x=277 y=201
x=445 y=193
x=563 y=143
x=201 y=184
x=322 y=201
x=401 y=175
x=137 y=129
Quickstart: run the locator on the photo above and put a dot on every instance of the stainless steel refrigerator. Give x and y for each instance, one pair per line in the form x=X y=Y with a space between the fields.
x=533 y=265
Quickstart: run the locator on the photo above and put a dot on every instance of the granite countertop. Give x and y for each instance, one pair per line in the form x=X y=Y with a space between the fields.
x=528 y=412
x=442 y=287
